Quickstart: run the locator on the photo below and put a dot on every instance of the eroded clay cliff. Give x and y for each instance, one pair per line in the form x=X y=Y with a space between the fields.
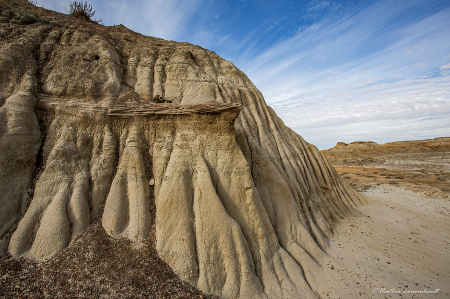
x=100 y=121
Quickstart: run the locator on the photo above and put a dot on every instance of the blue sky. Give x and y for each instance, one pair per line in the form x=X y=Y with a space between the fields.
x=332 y=70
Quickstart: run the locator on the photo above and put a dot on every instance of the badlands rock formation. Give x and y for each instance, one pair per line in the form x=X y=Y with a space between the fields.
x=103 y=122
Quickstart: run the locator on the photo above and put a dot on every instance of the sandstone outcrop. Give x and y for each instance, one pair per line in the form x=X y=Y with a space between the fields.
x=100 y=121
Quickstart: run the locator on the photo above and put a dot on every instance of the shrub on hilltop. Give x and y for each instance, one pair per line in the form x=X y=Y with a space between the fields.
x=81 y=10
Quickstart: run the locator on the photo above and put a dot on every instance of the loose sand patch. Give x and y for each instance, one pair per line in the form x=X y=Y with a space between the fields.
x=399 y=242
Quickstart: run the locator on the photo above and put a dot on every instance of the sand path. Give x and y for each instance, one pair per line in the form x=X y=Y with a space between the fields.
x=395 y=245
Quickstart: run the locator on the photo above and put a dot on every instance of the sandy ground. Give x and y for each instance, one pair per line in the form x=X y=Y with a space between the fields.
x=397 y=244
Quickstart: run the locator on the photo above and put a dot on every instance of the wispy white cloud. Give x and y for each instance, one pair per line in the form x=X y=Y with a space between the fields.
x=318 y=5
x=339 y=46
x=381 y=132
x=342 y=73
x=316 y=8
x=167 y=19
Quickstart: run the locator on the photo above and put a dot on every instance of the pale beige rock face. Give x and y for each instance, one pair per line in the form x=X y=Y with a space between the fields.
x=244 y=206
x=19 y=128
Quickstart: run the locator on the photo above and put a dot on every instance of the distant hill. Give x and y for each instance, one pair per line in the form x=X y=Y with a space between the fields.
x=360 y=150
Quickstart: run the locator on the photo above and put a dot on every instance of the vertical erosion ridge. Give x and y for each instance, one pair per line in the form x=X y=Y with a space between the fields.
x=129 y=124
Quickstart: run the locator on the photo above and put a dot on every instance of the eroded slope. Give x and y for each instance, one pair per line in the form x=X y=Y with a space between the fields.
x=244 y=206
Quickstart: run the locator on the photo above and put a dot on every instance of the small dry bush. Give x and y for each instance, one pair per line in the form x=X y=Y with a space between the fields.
x=81 y=10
